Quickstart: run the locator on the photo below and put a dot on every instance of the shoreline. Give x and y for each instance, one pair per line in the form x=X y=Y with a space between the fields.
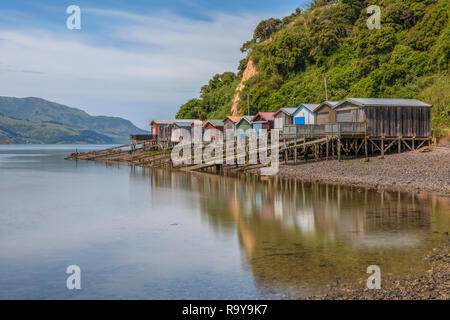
x=433 y=284
x=411 y=171
x=408 y=172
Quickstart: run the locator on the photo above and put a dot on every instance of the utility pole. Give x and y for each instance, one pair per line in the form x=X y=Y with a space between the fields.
x=326 y=89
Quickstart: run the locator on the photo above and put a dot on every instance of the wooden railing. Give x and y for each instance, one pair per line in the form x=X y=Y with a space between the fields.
x=345 y=128
x=322 y=130
x=140 y=137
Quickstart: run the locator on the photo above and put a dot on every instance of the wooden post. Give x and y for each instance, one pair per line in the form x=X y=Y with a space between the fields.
x=413 y=142
x=399 y=144
x=295 y=156
x=332 y=148
x=365 y=149
x=382 y=147
x=326 y=152
x=339 y=149
x=247 y=155
x=285 y=156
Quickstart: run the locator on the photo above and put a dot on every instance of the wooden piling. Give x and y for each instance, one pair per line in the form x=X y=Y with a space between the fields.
x=365 y=149
x=339 y=149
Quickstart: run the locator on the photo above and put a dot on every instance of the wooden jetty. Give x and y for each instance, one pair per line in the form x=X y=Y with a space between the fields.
x=297 y=143
x=356 y=127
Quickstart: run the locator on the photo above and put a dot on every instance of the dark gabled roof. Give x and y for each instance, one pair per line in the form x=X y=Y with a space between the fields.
x=288 y=111
x=311 y=106
x=385 y=102
x=268 y=116
x=330 y=104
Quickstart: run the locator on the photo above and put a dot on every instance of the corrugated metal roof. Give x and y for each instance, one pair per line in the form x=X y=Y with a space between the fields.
x=215 y=123
x=393 y=102
x=311 y=106
x=183 y=124
x=331 y=104
x=289 y=111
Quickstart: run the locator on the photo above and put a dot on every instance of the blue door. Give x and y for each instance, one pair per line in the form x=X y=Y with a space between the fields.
x=299 y=120
x=257 y=127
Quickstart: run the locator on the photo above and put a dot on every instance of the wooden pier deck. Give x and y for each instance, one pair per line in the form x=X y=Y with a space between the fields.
x=297 y=143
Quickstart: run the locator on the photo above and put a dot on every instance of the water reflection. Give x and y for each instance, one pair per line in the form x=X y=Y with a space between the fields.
x=301 y=236
x=153 y=234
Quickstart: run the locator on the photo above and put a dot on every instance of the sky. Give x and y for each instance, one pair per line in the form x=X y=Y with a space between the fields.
x=140 y=60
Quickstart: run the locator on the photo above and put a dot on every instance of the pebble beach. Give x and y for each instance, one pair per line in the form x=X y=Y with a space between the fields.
x=408 y=171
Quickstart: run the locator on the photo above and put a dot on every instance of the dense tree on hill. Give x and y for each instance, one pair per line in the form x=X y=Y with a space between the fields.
x=407 y=57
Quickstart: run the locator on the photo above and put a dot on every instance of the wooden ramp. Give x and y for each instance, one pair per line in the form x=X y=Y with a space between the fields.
x=286 y=145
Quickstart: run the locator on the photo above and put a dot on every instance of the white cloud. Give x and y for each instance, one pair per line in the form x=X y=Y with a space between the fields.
x=157 y=62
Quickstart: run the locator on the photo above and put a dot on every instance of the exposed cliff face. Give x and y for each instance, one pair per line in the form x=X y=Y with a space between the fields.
x=249 y=72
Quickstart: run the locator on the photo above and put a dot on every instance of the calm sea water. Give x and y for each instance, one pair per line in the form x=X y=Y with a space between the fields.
x=155 y=234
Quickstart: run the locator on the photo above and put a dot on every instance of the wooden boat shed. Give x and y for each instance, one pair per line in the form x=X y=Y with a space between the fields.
x=324 y=113
x=263 y=120
x=387 y=117
x=162 y=129
x=230 y=122
x=305 y=113
x=284 y=116
x=212 y=127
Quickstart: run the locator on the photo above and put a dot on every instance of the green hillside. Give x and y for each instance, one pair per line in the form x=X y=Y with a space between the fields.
x=35 y=120
x=408 y=57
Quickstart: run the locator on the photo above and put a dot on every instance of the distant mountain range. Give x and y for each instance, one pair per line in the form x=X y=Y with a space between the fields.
x=35 y=120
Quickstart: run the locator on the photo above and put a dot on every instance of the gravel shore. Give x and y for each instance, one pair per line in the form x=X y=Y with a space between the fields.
x=434 y=284
x=408 y=171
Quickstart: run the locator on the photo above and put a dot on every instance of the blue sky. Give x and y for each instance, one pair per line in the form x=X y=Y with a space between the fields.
x=135 y=59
